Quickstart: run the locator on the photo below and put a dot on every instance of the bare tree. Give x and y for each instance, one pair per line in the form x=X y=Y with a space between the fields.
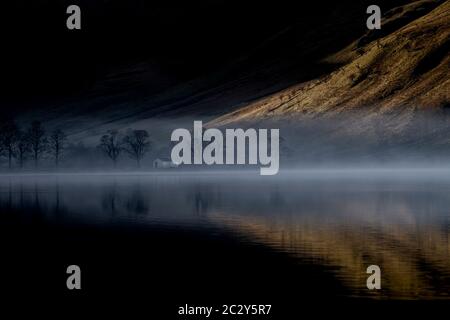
x=38 y=141
x=8 y=140
x=23 y=148
x=136 y=144
x=57 y=144
x=111 y=145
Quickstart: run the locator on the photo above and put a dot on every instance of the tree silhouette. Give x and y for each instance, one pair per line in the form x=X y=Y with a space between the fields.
x=8 y=140
x=111 y=145
x=23 y=148
x=37 y=140
x=136 y=144
x=57 y=144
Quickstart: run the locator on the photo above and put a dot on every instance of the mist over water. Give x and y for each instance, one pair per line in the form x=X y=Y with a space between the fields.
x=345 y=220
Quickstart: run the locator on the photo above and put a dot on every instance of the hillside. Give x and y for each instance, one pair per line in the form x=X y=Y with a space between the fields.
x=393 y=72
x=189 y=63
x=347 y=93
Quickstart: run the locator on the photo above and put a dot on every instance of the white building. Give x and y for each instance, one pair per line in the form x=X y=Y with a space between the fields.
x=164 y=164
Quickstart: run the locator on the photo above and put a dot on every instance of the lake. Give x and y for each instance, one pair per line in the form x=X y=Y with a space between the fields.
x=323 y=227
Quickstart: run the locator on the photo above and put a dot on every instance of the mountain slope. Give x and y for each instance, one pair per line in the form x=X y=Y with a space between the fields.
x=392 y=74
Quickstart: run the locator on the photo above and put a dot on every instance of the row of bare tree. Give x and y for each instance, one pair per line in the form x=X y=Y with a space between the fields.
x=135 y=143
x=31 y=143
x=18 y=145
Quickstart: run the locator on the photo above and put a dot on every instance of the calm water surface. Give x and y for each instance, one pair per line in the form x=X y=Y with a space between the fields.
x=345 y=221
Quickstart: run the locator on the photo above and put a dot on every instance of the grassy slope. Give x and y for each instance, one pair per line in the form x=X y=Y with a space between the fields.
x=389 y=73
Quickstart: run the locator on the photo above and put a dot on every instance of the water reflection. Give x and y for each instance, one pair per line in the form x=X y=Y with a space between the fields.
x=346 y=223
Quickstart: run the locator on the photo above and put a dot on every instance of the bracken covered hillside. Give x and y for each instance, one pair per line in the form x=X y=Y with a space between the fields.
x=394 y=72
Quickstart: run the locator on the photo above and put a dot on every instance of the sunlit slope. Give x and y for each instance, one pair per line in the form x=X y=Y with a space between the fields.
x=391 y=73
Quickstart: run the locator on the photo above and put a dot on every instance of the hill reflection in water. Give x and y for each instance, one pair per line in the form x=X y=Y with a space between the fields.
x=343 y=221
